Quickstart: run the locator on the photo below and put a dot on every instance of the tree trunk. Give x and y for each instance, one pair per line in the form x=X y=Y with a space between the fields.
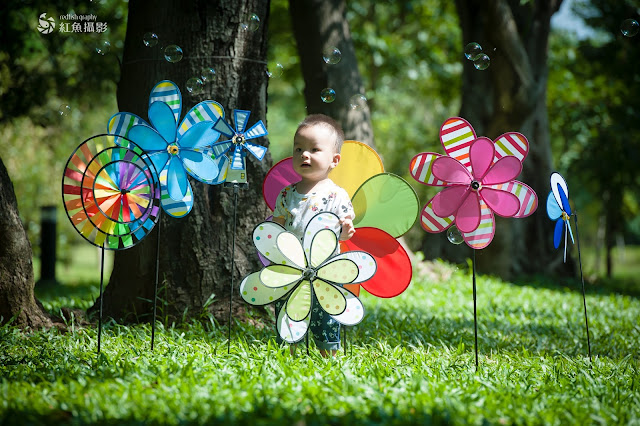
x=17 y=300
x=195 y=251
x=510 y=95
x=319 y=25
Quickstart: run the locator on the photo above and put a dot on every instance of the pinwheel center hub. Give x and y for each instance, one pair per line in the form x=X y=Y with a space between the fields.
x=565 y=216
x=173 y=149
x=124 y=191
x=238 y=139
x=309 y=274
x=475 y=185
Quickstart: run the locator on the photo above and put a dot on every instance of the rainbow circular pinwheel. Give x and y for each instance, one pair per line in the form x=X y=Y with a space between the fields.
x=175 y=150
x=479 y=179
x=385 y=205
x=111 y=193
x=237 y=145
x=302 y=272
x=559 y=210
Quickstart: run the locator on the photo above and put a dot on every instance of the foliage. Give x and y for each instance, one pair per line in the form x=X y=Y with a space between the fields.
x=409 y=362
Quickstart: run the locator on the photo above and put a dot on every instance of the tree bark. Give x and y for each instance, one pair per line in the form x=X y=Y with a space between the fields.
x=195 y=251
x=17 y=299
x=319 y=25
x=511 y=96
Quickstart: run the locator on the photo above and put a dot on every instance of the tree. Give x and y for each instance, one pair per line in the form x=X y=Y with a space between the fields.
x=195 y=251
x=17 y=300
x=511 y=96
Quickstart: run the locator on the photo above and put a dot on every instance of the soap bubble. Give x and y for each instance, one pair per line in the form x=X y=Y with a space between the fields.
x=331 y=55
x=150 y=39
x=472 y=51
x=207 y=74
x=103 y=47
x=275 y=71
x=195 y=86
x=482 y=62
x=454 y=235
x=328 y=95
x=64 y=110
x=251 y=23
x=629 y=27
x=358 y=102
x=173 y=53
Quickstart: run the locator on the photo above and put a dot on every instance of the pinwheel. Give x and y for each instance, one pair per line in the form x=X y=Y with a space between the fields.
x=175 y=150
x=385 y=206
x=301 y=272
x=237 y=145
x=111 y=195
x=558 y=209
x=479 y=179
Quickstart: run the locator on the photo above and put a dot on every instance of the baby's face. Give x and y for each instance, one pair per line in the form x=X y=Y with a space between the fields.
x=314 y=154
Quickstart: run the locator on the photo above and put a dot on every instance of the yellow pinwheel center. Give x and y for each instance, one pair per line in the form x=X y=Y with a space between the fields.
x=475 y=185
x=565 y=216
x=238 y=139
x=173 y=149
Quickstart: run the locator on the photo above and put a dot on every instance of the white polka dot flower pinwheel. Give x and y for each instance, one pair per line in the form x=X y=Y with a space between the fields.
x=301 y=272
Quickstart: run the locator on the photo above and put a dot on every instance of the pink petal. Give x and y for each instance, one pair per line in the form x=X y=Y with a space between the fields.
x=468 y=216
x=504 y=170
x=502 y=202
x=447 y=201
x=481 y=155
x=450 y=170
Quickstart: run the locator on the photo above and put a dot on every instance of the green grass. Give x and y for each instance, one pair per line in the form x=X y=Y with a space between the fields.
x=410 y=361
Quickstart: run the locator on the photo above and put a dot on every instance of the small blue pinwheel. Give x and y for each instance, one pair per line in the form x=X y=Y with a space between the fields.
x=237 y=145
x=558 y=209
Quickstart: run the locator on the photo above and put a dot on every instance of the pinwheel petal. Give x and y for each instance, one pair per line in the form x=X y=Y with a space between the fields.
x=147 y=138
x=504 y=203
x=353 y=312
x=558 y=184
x=449 y=200
x=291 y=331
x=276 y=276
x=255 y=293
x=298 y=305
x=557 y=233
x=388 y=202
x=526 y=195
x=167 y=92
x=323 y=245
x=329 y=297
x=240 y=118
x=365 y=262
x=204 y=111
x=482 y=236
x=512 y=143
x=321 y=221
x=279 y=177
x=481 y=154
x=394 y=271
x=553 y=210
x=421 y=169
x=199 y=165
x=289 y=245
x=450 y=170
x=565 y=201
x=341 y=271
x=265 y=236
x=257 y=151
x=456 y=136
x=358 y=163
x=175 y=208
x=570 y=231
x=468 y=215
x=159 y=160
x=120 y=124
x=504 y=170
x=199 y=135
x=162 y=119
x=177 y=181
x=433 y=223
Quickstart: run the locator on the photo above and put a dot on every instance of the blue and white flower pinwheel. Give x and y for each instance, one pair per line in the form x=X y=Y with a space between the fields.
x=174 y=150
x=307 y=271
x=236 y=146
x=558 y=209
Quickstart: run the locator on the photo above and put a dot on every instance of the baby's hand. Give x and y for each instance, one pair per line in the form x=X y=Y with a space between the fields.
x=347 y=228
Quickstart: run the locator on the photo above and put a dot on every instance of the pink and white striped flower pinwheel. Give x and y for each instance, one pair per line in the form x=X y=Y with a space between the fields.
x=479 y=179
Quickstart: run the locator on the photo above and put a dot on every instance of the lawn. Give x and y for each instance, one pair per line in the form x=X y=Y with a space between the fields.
x=410 y=361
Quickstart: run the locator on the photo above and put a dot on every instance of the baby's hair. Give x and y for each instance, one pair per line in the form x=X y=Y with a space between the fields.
x=329 y=123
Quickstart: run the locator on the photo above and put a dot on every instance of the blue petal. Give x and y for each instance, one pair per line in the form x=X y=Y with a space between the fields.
x=147 y=138
x=565 y=201
x=177 y=181
x=199 y=165
x=199 y=135
x=162 y=118
x=557 y=233
x=553 y=210
x=159 y=160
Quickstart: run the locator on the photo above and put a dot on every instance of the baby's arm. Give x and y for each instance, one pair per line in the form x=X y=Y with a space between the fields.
x=347 y=228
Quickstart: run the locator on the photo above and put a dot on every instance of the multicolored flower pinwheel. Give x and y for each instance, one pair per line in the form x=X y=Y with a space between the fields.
x=300 y=273
x=558 y=209
x=386 y=207
x=479 y=178
x=174 y=150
